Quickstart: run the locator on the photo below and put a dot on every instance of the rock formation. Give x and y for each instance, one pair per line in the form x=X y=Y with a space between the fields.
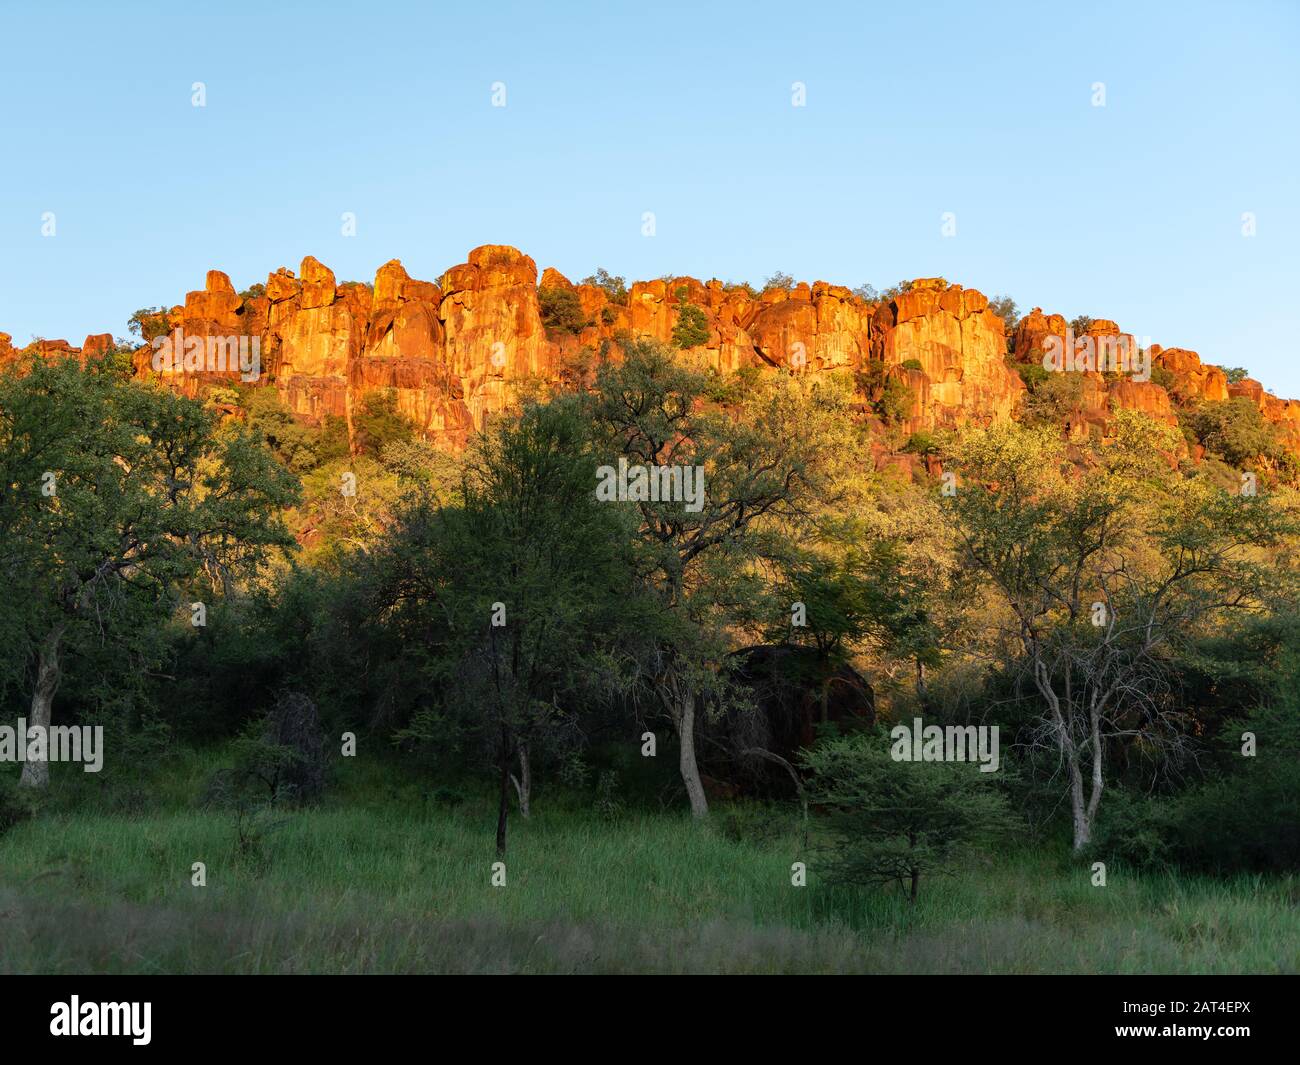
x=454 y=351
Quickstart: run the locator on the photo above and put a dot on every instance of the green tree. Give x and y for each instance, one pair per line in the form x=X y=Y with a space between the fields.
x=1005 y=308
x=561 y=310
x=518 y=588
x=692 y=326
x=377 y=424
x=763 y=463
x=114 y=496
x=1235 y=430
x=891 y=820
x=1103 y=575
x=615 y=287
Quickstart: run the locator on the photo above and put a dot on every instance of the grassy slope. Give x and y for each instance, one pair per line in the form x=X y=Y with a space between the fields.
x=382 y=879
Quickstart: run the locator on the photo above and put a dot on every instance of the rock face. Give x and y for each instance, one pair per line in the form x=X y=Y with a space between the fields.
x=960 y=346
x=451 y=353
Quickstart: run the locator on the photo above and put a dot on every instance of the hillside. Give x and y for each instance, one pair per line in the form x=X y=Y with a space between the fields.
x=455 y=350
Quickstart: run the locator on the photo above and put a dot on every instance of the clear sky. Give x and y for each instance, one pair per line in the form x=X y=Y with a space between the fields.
x=1131 y=211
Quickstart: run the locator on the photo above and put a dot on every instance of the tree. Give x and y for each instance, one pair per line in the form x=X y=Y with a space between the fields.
x=378 y=424
x=1005 y=308
x=1235 y=430
x=894 y=820
x=1103 y=574
x=518 y=590
x=762 y=464
x=615 y=287
x=692 y=326
x=561 y=310
x=148 y=323
x=113 y=496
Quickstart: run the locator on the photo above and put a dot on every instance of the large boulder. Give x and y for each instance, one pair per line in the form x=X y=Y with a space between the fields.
x=790 y=691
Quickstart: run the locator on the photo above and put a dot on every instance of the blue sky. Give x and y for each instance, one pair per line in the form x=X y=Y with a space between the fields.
x=1130 y=211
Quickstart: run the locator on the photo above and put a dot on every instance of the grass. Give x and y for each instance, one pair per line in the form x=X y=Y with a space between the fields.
x=384 y=877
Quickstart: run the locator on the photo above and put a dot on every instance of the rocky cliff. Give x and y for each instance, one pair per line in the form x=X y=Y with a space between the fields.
x=454 y=350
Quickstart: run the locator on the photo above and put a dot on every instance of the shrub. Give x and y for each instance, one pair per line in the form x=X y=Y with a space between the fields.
x=1233 y=429
x=1005 y=308
x=921 y=443
x=149 y=323
x=1053 y=398
x=691 y=328
x=893 y=821
x=890 y=398
x=561 y=310
x=378 y=423
x=615 y=287
x=1163 y=377
x=16 y=805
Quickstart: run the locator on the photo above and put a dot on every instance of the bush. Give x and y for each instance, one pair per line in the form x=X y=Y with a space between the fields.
x=921 y=443
x=1005 y=308
x=615 y=287
x=149 y=323
x=378 y=423
x=561 y=310
x=893 y=821
x=1233 y=429
x=16 y=805
x=890 y=398
x=1053 y=398
x=691 y=328
x=1246 y=821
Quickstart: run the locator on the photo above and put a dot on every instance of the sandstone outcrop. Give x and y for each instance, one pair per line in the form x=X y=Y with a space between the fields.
x=454 y=351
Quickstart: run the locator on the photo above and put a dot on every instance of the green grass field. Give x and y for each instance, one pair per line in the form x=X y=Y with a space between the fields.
x=384 y=878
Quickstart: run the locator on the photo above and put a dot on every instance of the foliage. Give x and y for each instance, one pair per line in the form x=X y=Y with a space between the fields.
x=1235 y=430
x=377 y=424
x=891 y=398
x=561 y=310
x=149 y=323
x=615 y=287
x=1005 y=308
x=894 y=821
x=120 y=497
x=691 y=328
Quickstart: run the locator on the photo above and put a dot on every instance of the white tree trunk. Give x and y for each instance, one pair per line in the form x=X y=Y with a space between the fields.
x=689 y=768
x=524 y=782
x=36 y=774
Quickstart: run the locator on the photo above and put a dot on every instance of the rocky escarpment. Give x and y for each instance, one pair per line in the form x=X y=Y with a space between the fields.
x=454 y=350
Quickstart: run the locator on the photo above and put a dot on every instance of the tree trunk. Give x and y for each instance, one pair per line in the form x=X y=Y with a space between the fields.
x=503 y=805
x=524 y=782
x=689 y=768
x=1078 y=812
x=916 y=879
x=37 y=774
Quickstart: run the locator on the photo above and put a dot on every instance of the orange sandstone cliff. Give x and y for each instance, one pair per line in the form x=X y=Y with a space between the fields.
x=453 y=351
